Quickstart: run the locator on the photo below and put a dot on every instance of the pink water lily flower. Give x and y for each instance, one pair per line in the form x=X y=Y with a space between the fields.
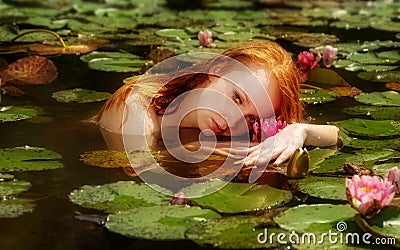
x=307 y=61
x=393 y=175
x=179 y=199
x=267 y=127
x=205 y=39
x=329 y=55
x=368 y=194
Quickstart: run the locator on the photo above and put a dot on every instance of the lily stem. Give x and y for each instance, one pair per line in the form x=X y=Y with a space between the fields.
x=59 y=38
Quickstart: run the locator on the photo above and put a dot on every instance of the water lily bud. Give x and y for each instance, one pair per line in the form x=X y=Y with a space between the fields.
x=179 y=199
x=329 y=55
x=306 y=61
x=393 y=175
x=205 y=39
x=271 y=127
x=368 y=194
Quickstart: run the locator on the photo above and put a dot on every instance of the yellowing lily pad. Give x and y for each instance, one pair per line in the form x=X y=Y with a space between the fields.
x=80 y=95
x=105 y=159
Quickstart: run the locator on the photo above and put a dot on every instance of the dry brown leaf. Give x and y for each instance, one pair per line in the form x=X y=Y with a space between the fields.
x=346 y=91
x=393 y=86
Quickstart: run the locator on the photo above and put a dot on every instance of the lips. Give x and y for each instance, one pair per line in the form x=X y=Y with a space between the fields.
x=216 y=128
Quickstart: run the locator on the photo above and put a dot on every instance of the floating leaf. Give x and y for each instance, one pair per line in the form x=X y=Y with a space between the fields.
x=28 y=158
x=158 y=222
x=325 y=78
x=376 y=112
x=384 y=225
x=236 y=197
x=111 y=55
x=15 y=208
x=346 y=91
x=118 y=65
x=105 y=159
x=12 y=114
x=31 y=70
x=371 y=58
x=370 y=128
x=8 y=188
x=46 y=49
x=323 y=187
x=368 y=143
x=387 y=98
x=383 y=76
x=234 y=232
x=314 y=218
x=80 y=95
x=118 y=196
x=177 y=34
x=393 y=86
x=312 y=96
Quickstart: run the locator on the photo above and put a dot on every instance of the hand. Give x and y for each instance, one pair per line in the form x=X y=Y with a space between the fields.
x=280 y=147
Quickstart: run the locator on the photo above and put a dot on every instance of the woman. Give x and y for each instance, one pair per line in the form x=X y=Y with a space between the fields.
x=233 y=78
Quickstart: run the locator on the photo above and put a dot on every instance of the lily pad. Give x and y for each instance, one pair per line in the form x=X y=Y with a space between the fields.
x=118 y=196
x=158 y=222
x=387 y=98
x=312 y=96
x=381 y=76
x=377 y=113
x=15 y=208
x=353 y=142
x=234 y=232
x=105 y=159
x=326 y=78
x=236 y=197
x=118 y=65
x=8 y=188
x=15 y=113
x=323 y=187
x=177 y=34
x=80 y=96
x=314 y=218
x=28 y=158
x=372 y=58
x=370 y=128
x=383 y=225
x=111 y=55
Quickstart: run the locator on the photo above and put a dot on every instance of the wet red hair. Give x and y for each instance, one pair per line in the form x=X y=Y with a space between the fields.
x=276 y=60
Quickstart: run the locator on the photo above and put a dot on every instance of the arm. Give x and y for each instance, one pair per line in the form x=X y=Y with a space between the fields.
x=288 y=140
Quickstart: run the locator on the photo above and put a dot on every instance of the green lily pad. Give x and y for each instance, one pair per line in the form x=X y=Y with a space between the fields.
x=234 y=232
x=318 y=155
x=326 y=78
x=377 y=113
x=112 y=55
x=80 y=95
x=383 y=225
x=28 y=158
x=236 y=197
x=8 y=188
x=352 y=142
x=369 y=67
x=118 y=196
x=177 y=34
x=387 y=98
x=384 y=167
x=158 y=222
x=363 y=157
x=323 y=187
x=312 y=96
x=314 y=218
x=381 y=76
x=15 y=113
x=15 y=208
x=370 y=128
x=371 y=58
x=118 y=65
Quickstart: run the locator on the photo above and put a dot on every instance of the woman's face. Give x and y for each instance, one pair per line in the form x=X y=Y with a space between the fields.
x=232 y=107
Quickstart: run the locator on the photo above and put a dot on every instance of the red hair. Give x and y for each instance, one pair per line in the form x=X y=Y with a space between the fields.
x=276 y=60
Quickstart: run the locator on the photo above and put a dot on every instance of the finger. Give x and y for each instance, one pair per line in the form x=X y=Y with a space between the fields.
x=284 y=156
